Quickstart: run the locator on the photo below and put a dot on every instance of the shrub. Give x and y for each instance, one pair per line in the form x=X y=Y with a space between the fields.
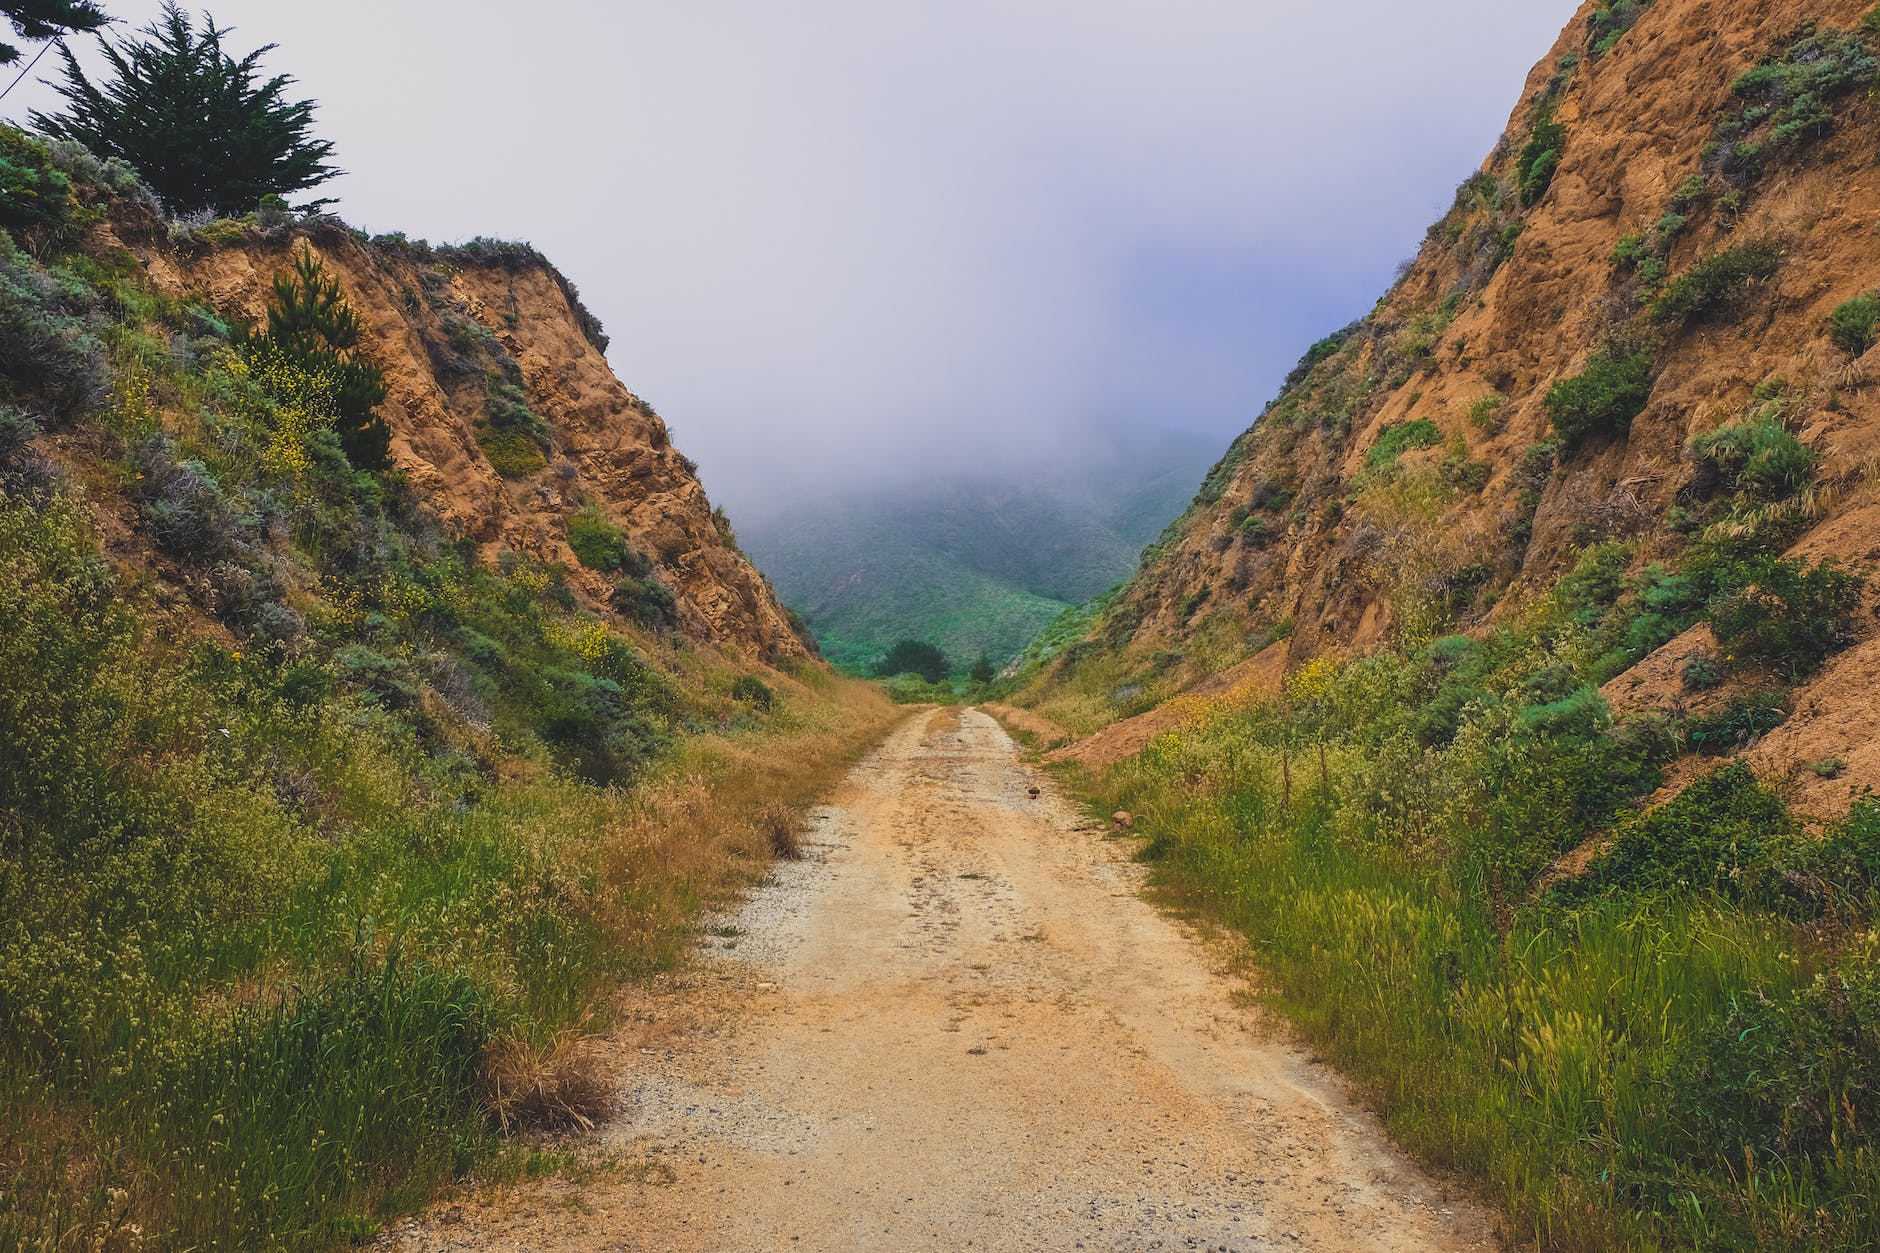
x=1539 y=158
x=1738 y=724
x=1852 y=324
x=644 y=599
x=1788 y=100
x=183 y=506
x=511 y=454
x=34 y=193
x=1700 y=673
x=313 y=327
x=753 y=691
x=1760 y=456
x=597 y=543
x=1270 y=494
x=1486 y=411
x=1596 y=581
x=1610 y=22
x=513 y=438
x=1785 y=612
x=1714 y=287
x=1716 y=835
x=1604 y=397
x=17 y=429
x=44 y=347
x=1792 y=1079
x=1398 y=438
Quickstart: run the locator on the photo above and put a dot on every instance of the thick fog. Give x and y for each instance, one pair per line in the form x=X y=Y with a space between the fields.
x=843 y=241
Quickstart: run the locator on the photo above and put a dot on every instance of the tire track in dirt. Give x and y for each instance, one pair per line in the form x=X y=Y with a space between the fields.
x=957 y=1025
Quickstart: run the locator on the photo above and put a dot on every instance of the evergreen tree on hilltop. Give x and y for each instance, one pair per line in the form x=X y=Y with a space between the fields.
x=204 y=130
x=39 y=20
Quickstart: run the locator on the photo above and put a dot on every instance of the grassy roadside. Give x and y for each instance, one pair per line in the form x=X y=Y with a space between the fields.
x=265 y=1031
x=321 y=835
x=1679 y=1050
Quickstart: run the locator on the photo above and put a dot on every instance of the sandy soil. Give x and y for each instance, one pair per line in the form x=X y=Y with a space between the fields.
x=957 y=1025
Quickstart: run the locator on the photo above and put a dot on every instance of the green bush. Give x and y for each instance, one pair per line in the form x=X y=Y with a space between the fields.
x=753 y=691
x=1788 y=100
x=1786 y=613
x=1701 y=673
x=1717 y=835
x=1485 y=412
x=1610 y=22
x=34 y=192
x=1852 y=324
x=645 y=599
x=597 y=543
x=1596 y=581
x=1540 y=157
x=47 y=346
x=1760 y=456
x=511 y=453
x=1714 y=288
x=1398 y=438
x=1604 y=397
x=1737 y=724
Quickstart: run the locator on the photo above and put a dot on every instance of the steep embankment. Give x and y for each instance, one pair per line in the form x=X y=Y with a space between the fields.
x=464 y=334
x=348 y=763
x=1661 y=250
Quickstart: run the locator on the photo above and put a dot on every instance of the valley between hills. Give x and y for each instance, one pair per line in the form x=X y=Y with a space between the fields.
x=1445 y=818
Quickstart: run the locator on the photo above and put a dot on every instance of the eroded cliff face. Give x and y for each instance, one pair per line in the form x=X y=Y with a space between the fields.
x=462 y=333
x=1412 y=478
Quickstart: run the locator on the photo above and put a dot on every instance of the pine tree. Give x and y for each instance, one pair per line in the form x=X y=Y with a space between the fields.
x=201 y=127
x=310 y=320
x=39 y=20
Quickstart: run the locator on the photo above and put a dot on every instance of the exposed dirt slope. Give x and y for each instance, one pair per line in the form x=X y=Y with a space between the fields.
x=451 y=325
x=958 y=1026
x=1305 y=520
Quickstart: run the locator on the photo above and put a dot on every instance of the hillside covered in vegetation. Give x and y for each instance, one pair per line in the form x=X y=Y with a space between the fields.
x=1510 y=682
x=975 y=566
x=378 y=688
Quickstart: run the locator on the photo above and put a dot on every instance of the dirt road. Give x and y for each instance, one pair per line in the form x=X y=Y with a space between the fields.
x=956 y=1025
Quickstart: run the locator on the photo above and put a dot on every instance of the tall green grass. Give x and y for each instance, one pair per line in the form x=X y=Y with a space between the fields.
x=1659 y=1062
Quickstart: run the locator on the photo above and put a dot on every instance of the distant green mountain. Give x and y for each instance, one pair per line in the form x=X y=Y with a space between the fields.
x=972 y=566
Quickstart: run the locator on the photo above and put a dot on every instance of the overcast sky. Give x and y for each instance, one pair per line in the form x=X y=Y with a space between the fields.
x=835 y=239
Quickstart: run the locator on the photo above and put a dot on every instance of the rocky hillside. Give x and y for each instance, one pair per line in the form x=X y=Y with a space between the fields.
x=1636 y=352
x=506 y=418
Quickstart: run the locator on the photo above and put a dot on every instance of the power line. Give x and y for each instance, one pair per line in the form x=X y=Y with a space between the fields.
x=29 y=68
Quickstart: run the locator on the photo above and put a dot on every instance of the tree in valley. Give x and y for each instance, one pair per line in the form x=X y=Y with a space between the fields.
x=39 y=20
x=982 y=670
x=914 y=657
x=205 y=130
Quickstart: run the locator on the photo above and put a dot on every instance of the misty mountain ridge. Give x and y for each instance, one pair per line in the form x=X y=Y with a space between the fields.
x=978 y=563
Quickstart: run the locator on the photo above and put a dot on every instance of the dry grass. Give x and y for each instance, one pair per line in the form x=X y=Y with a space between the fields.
x=553 y=1088
x=784 y=827
x=705 y=830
